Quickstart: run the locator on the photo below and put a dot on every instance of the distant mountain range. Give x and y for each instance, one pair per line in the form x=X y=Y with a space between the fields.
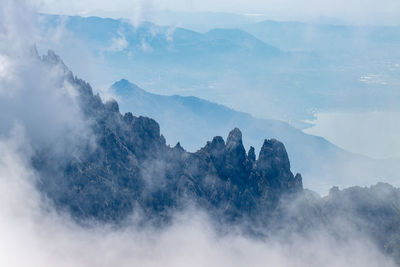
x=190 y=120
x=215 y=65
x=164 y=41
x=289 y=70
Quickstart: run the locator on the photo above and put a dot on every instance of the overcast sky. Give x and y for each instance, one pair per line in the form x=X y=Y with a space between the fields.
x=351 y=11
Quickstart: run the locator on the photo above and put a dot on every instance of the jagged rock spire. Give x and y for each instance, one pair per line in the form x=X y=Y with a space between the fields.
x=179 y=147
x=218 y=143
x=273 y=154
x=112 y=105
x=234 y=139
x=251 y=155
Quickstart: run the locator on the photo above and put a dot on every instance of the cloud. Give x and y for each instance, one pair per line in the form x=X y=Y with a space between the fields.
x=33 y=234
x=5 y=67
x=16 y=18
x=39 y=97
x=34 y=93
x=118 y=43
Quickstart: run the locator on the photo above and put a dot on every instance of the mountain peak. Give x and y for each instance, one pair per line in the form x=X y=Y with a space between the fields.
x=273 y=153
x=234 y=138
x=251 y=155
x=124 y=88
x=53 y=59
x=123 y=82
x=179 y=147
x=217 y=144
x=112 y=105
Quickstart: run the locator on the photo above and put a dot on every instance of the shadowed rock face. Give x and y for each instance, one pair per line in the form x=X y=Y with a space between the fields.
x=132 y=169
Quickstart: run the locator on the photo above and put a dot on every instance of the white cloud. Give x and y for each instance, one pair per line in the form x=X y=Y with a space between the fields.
x=34 y=235
x=5 y=67
x=33 y=94
x=119 y=43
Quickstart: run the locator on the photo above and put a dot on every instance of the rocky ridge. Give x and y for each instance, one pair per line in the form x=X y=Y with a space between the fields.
x=131 y=169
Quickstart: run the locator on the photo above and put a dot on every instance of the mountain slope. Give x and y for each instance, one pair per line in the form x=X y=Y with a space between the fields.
x=132 y=170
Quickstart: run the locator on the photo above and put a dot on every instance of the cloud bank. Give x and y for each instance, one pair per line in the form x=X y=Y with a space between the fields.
x=33 y=234
x=36 y=96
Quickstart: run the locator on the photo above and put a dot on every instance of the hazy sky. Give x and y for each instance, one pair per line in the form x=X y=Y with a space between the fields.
x=354 y=11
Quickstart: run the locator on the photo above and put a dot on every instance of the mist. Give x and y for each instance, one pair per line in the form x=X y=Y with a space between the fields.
x=34 y=234
x=39 y=107
x=35 y=93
